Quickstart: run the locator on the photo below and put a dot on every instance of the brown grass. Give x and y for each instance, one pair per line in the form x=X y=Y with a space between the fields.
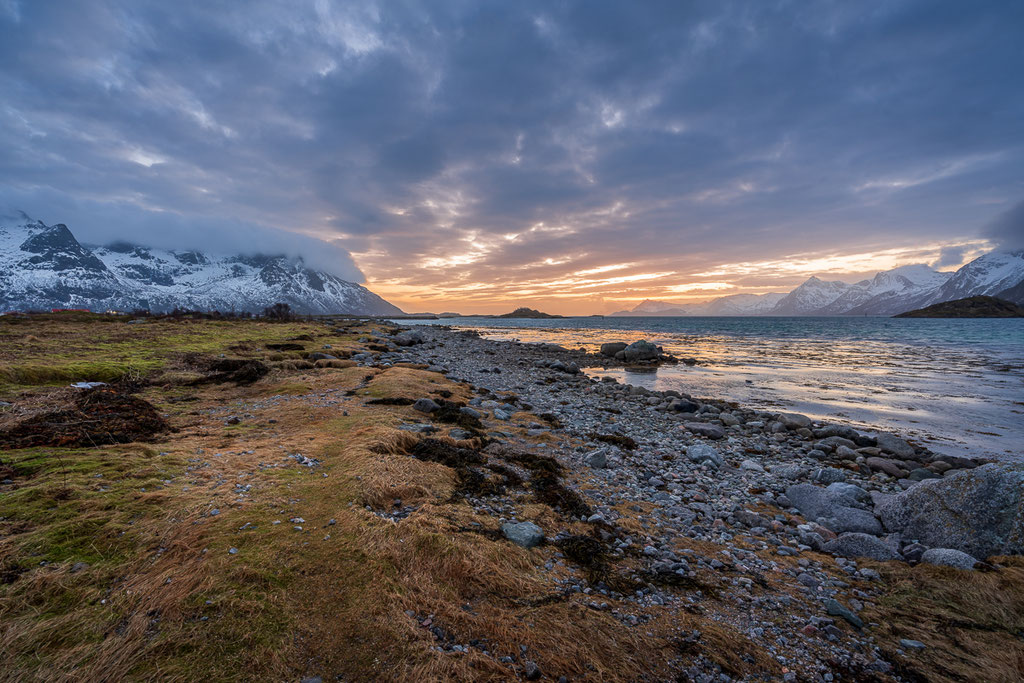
x=971 y=622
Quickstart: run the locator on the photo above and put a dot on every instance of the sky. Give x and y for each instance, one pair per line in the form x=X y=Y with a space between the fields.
x=474 y=156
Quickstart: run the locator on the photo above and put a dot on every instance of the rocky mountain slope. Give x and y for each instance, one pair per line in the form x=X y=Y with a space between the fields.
x=44 y=267
x=887 y=293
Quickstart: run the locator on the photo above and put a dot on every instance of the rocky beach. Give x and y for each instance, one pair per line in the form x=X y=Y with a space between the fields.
x=726 y=497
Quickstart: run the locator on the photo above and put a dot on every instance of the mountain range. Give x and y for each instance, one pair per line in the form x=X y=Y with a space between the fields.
x=45 y=266
x=999 y=274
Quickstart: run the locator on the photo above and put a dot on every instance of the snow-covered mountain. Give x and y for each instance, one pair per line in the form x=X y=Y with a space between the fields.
x=810 y=297
x=43 y=267
x=987 y=275
x=887 y=293
x=734 y=304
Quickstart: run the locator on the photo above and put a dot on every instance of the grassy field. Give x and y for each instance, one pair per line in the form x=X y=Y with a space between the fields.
x=214 y=551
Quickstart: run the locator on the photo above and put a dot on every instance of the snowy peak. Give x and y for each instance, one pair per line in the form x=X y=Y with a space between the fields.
x=46 y=267
x=813 y=295
x=733 y=304
x=886 y=293
x=986 y=275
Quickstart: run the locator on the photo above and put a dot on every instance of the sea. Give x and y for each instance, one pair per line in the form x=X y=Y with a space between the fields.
x=955 y=385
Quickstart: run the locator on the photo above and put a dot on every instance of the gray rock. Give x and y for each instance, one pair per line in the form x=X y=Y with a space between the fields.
x=790 y=472
x=860 y=545
x=846 y=453
x=316 y=355
x=502 y=414
x=830 y=443
x=793 y=420
x=844 y=431
x=409 y=338
x=908 y=644
x=425 y=405
x=888 y=466
x=979 y=511
x=920 y=474
x=835 y=609
x=471 y=412
x=751 y=466
x=706 y=429
x=829 y=475
x=525 y=534
x=682 y=405
x=729 y=420
x=948 y=558
x=701 y=453
x=640 y=350
x=891 y=443
x=598 y=459
x=832 y=509
x=612 y=348
x=852 y=493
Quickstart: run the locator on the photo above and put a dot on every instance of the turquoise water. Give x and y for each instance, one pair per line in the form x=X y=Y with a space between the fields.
x=955 y=385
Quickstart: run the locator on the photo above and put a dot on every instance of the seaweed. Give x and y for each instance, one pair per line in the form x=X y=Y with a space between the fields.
x=99 y=416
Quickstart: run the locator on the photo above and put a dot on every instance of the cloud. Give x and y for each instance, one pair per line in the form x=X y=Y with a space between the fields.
x=1007 y=229
x=950 y=256
x=419 y=137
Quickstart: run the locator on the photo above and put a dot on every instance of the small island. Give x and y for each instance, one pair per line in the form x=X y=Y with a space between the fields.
x=971 y=307
x=524 y=312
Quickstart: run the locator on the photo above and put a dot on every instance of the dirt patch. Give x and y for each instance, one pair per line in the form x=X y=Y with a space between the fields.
x=100 y=416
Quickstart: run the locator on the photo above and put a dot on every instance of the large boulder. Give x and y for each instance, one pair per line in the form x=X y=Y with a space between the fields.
x=409 y=338
x=611 y=348
x=833 y=508
x=638 y=351
x=948 y=557
x=855 y=545
x=979 y=511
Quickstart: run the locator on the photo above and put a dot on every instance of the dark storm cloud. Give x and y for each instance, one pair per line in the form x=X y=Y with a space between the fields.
x=482 y=141
x=1007 y=230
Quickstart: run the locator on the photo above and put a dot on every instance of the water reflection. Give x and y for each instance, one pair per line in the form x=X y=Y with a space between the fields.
x=959 y=400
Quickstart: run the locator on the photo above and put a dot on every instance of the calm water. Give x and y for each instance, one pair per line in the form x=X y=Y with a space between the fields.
x=956 y=385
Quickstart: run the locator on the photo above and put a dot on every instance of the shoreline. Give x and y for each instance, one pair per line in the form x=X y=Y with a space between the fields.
x=711 y=472
x=958 y=401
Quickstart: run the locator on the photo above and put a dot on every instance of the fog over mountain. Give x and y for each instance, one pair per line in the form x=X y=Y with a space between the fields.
x=45 y=266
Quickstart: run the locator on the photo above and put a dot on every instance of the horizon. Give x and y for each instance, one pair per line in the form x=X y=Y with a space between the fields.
x=577 y=159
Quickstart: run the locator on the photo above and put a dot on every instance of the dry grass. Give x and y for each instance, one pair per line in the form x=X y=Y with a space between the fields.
x=971 y=622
